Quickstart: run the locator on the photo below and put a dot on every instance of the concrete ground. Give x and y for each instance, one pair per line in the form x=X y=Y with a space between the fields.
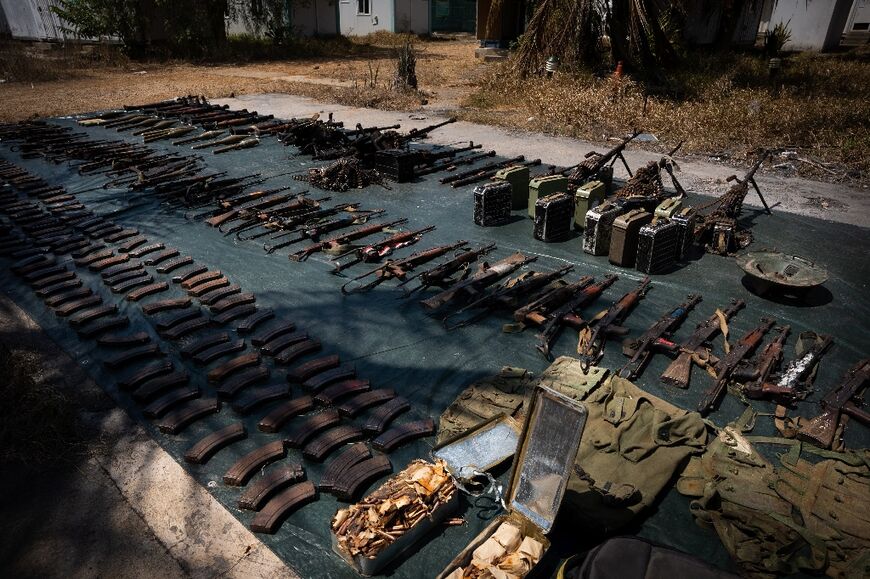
x=120 y=506
x=829 y=201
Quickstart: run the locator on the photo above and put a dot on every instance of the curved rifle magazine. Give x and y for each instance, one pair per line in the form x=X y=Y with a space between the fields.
x=142 y=280
x=145 y=250
x=312 y=368
x=238 y=363
x=180 y=418
x=323 y=444
x=147 y=373
x=124 y=340
x=68 y=296
x=219 y=294
x=282 y=342
x=272 y=333
x=244 y=468
x=183 y=277
x=366 y=400
x=342 y=389
x=111 y=275
x=310 y=426
x=243 y=380
x=160 y=406
x=200 y=278
x=323 y=379
x=348 y=457
x=158 y=384
x=169 y=321
x=359 y=477
x=383 y=415
x=269 y=519
x=174 y=264
x=232 y=301
x=234 y=313
x=77 y=305
x=148 y=290
x=402 y=434
x=133 y=354
x=247 y=325
x=257 y=397
x=206 y=447
x=218 y=351
x=199 y=345
x=185 y=328
x=275 y=479
x=273 y=421
x=86 y=316
x=103 y=325
x=159 y=258
x=166 y=305
x=108 y=262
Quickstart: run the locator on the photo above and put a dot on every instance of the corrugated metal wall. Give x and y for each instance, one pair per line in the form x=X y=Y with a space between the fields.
x=33 y=20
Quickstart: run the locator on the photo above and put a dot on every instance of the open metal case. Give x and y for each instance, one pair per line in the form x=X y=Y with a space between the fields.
x=480 y=449
x=547 y=448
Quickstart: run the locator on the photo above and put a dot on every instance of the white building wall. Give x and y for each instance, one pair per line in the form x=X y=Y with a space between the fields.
x=814 y=24
x=412 y=16
x=355 y=24
x=314 y=18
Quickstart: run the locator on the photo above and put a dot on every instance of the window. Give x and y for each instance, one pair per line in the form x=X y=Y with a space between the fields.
x=363 y=7
x=861 y=26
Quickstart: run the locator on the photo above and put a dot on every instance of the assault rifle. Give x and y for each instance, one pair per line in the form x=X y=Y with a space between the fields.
x=726 y=366
x=680 y=370
x=756 y=375
x=609 y=323
x=315 y=230
x=441 y=274
x=506 y=295
x=565 y=315
x=343 y=239
x=793 y=381
x=595 y=162
x=657 y=336
x=399 y=268
x=280 y=223
x=375 y=251
x=840 y=400
x=485 y=276
x=537 y=310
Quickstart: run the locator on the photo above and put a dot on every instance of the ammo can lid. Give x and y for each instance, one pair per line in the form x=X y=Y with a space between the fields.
x=480 y=449
x=548 y=446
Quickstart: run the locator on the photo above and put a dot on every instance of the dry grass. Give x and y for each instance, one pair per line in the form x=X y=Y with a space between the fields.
x=721 y=105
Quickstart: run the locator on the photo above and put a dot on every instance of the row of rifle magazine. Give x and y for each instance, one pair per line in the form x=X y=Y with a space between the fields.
x=205 y=355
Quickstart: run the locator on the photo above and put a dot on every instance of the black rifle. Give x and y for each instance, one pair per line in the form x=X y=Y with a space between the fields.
x=314 y=230
x=566 y=314
x=442 y=274
x=680 y=370
x=595 y=162
x=754 y=375
x=399 y=268
x=485 y=276
x=793 y=382
x=726 y=366
x=840 y=400
x=657 y=336
x=506 y=295
x=609 y=323
x=538 y=310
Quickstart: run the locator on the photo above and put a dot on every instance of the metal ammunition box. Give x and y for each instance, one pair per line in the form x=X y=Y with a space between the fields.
x=724 y=236
x=518 y=177
x=588 y=195
x=554 y=217
x=599 y=224
x=657 y=246
x=544 y=186
x=396 y=164
x=685 y=219
x=492 y=204
x=545 y=455
x=667 y=208
x=623 y=240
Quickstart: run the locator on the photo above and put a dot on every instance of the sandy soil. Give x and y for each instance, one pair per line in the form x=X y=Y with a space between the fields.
x=444 y=70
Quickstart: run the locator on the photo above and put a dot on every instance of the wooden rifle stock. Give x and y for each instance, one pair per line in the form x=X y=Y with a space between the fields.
x=821 y=429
